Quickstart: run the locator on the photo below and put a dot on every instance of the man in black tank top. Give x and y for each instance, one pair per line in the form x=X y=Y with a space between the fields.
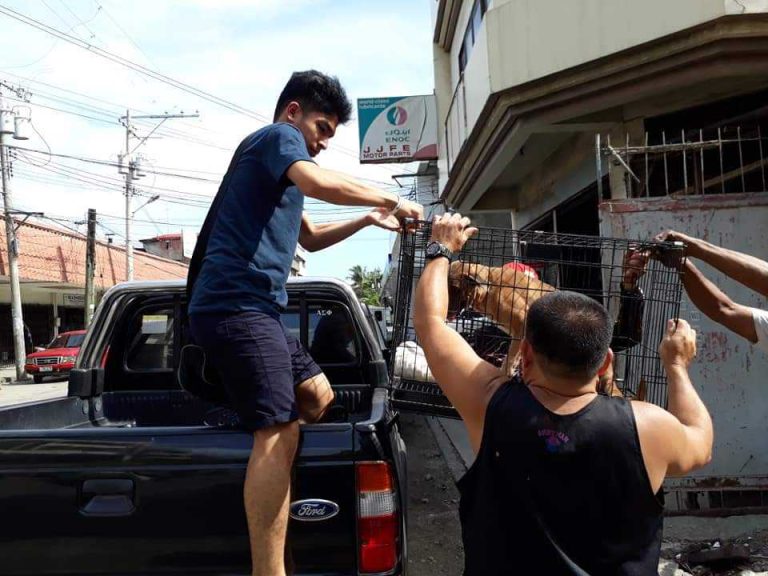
x=566 y=481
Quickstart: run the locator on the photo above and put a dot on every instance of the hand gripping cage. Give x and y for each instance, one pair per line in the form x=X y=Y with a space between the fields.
x=500 y=272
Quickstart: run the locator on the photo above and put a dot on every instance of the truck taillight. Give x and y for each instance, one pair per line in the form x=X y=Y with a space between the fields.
x=378 y=520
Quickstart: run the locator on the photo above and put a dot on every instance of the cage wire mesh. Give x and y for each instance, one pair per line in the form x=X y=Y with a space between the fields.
x=501 y=272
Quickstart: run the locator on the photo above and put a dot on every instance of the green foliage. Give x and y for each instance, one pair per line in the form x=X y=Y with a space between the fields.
x=366 y=284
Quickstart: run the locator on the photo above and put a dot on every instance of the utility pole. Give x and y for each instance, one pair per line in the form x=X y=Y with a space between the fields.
x=7 y=122
x=131 y=168
x=129 y=176
x=90 y=266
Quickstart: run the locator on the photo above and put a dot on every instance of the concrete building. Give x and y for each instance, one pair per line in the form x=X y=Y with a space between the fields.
x=52 y=275
x=170 y=246
x=622 y=118
x=299 y=263
x=523 y=87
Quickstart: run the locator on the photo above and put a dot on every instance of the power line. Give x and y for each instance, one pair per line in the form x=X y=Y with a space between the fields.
x=80 y=20
x=103 y=120
x=132 y=65
x=385 y=185
x=124 y=33
x=114 y=164
x=118 y=107
x=169 y=133
x=183 y=86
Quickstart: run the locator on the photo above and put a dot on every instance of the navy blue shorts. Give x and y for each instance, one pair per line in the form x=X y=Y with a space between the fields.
x=259 y=362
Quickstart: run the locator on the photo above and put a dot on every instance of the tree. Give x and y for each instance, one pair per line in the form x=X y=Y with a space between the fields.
x=357 y=276
x=366 y=284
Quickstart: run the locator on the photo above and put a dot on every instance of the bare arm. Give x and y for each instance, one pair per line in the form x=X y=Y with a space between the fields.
x=745 y=269
x=678 y=440
x=335 y=188
x=685 y=405
x=315 y=237
x=713 y=302
x=467 y=380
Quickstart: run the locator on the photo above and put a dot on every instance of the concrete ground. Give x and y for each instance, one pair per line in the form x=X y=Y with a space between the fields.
x=438 y=459
x=12 y=392
x=681 y=533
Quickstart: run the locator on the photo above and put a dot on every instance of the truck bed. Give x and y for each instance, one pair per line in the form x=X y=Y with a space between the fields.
x=141 y=409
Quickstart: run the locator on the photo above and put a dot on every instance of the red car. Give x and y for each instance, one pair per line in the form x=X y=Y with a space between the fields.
x=56 y=359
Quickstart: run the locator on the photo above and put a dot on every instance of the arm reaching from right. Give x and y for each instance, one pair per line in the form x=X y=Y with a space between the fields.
x=746 y=269
x=678 y=440
x=708 y=298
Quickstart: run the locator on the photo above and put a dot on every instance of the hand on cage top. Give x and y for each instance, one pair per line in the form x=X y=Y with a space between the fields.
x=452 y=231
x=382 y=218
x=672 y=236
x=671 y=258
x=634 y=266
x=678 y=347
x=408 y=209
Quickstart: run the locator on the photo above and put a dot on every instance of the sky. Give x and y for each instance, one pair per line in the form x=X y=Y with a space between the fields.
x=241 y=51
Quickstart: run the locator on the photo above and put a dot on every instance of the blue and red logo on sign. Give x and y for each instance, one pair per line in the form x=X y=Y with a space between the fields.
x=397 y=116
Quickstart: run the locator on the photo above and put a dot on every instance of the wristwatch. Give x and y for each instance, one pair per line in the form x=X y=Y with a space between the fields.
x=436 y=250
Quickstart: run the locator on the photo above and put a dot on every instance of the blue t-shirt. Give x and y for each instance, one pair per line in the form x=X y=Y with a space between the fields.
x=254 y=236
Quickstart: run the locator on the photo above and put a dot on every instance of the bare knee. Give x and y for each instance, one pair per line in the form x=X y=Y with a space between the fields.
x=276 y=443
x=314 y=396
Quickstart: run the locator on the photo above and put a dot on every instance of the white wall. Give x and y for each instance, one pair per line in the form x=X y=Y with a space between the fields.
x=469 y=101
x=533 y=38
x=33 y=294
x=729 y=373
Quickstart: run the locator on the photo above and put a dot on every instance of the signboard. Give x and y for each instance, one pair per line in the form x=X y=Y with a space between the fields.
x=74 y=299
x=401 y=129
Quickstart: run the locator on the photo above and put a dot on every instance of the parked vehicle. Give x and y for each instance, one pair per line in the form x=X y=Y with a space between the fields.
x=130 y=474
x=56 y=359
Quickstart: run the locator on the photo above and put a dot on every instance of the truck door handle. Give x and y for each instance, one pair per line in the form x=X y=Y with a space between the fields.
x=107 y=497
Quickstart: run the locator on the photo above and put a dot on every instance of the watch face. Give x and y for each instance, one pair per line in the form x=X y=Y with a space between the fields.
x=433 y=249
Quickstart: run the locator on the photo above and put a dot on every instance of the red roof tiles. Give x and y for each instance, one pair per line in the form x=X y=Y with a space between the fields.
x=49 y=254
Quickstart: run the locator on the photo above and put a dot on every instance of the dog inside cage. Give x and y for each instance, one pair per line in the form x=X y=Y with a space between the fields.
x=500 y=273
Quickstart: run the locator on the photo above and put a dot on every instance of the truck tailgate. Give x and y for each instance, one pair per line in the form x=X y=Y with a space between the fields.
x=161 y=501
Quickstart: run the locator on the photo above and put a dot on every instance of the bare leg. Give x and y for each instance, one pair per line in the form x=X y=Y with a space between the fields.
x=313 y=397
x=267 y=496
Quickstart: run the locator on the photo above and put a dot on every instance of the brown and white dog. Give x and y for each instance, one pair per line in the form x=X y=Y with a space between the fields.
x=504 y=294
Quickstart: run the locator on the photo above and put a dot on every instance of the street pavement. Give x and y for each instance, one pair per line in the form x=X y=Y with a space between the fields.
x=21 y=392
x=680 y=532
x=435 y=462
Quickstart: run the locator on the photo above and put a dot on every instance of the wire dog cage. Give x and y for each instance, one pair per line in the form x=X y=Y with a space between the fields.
x=501 y=272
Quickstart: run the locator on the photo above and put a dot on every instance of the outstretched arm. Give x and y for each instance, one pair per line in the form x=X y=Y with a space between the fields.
x=313 y=237
x=467 y=380
x=336 y=188
x=713 y=302
x=748 y=270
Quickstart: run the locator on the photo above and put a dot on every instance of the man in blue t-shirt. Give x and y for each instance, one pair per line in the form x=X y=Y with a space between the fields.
x=237 y=288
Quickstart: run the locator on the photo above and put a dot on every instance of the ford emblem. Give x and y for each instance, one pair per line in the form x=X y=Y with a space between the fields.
x=313 y=510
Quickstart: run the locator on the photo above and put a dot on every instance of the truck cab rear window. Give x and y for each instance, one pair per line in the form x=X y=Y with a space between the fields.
x=331 y=336
x=150 y=345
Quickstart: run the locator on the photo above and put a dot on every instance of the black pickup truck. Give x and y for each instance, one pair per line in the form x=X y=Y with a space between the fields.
x=130 y=474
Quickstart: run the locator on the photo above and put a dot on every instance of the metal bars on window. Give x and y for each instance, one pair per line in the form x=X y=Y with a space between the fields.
x=721 y=160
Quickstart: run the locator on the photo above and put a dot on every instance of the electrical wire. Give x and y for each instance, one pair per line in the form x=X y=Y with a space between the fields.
x=143 y=70
x=385 y=185
x=188 y=88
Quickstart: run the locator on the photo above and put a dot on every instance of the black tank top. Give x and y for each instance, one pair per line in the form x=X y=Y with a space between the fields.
x=543 y=481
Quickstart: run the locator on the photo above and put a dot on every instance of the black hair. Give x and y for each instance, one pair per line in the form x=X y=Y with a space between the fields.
x=316 y=92
x=571 y=331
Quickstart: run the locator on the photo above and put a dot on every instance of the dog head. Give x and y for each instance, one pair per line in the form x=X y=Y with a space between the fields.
x=465 y=288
